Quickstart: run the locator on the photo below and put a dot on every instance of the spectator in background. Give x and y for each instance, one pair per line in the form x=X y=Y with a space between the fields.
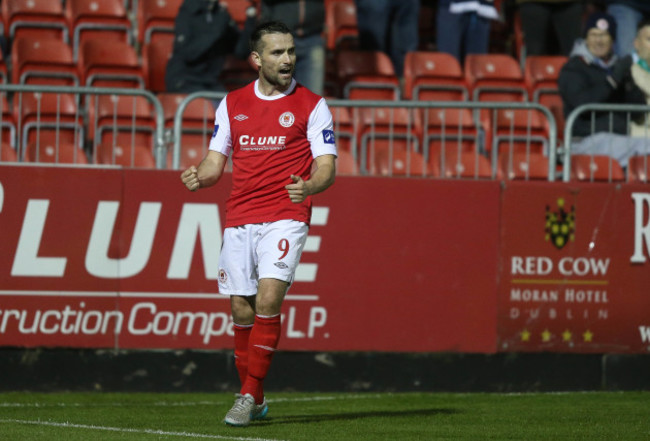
x=594 y=74
x=306 y=19
x=204 y=34
x=540 y=17
x=641 y=73
x=463 y=27
x=628 y=14
x=390 y=26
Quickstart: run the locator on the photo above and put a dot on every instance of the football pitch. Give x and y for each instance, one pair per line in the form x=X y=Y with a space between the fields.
x=326 y=416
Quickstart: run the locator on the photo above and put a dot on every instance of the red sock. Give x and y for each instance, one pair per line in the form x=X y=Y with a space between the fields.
x=261 y=346
x=242 y=334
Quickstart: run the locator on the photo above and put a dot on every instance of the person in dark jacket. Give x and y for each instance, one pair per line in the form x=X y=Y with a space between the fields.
x=594 y=74
x=306 y=19
x=204 y=34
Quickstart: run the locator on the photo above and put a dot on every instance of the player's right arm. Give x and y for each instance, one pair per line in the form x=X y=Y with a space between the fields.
x=208 y=172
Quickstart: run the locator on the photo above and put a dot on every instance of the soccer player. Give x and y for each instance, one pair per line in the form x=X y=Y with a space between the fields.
x=276 y=130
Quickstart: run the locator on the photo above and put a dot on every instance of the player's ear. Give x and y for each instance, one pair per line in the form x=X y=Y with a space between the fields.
x=255 y=56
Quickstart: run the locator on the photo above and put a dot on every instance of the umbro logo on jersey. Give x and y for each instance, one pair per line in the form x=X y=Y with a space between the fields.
x=241 y=117
x=328 y=136
x=281 y=265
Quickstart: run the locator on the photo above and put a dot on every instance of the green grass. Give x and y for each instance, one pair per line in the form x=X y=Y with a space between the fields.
x=316 y=417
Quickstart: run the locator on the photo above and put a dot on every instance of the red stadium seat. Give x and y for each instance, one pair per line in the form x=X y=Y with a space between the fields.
x=97 y=19
x=62 y=153
x=119 y=112
x=237 y=10
x=110 y=63
x=156 y=16
x=155 y=56
x=541 y=74
x=367 y=75
x=386 y=157
x=433 y=76
x=463 y=165
x=8 y=131
x=126 y=155
x=495 y=77
x=48 y=118
x=596 y=168
x=341 y=25
x=7 y=153
x=522 y=165
x=346 y=165
x=344 y=129
x=43 y=19
x=522 y=128
x=638 y=169
x=40 y=61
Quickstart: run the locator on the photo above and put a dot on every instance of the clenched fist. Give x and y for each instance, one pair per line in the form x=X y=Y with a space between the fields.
x=190 y=178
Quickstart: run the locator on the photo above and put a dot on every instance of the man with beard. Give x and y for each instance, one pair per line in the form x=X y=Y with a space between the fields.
x=275 y=129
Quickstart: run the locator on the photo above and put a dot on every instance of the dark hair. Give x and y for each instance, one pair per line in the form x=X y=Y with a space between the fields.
x=269 y=27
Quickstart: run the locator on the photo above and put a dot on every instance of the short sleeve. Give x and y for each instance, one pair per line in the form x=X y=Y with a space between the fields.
x=221 y=141
x=320 y=130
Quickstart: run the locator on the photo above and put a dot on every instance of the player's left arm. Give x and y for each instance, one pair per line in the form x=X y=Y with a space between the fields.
x=321 y=179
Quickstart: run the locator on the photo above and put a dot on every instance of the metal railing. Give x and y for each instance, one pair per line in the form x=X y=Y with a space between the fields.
x=571 y=120
x=365 y=134
x=77 y=118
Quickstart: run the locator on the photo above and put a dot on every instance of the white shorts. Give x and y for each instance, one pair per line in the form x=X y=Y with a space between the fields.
x=251 y=252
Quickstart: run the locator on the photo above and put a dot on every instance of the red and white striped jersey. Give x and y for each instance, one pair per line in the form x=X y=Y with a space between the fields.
x=270 y=138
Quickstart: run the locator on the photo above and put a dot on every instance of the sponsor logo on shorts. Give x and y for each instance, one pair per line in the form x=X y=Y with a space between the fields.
x=281 y=265
x=287 y=119
x=216 y=129
x=223 y=277
x=328 y=136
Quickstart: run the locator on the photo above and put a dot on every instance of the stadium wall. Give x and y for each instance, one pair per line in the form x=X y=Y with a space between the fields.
x=127 y=259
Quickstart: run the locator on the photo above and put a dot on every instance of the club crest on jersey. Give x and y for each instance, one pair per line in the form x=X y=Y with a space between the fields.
x=287 y=119
x=216 y=129
x=328 y=136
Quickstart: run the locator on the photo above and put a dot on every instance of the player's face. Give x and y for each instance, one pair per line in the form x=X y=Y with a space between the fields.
x=642 y=43
x=277 y=60
x=600 y=43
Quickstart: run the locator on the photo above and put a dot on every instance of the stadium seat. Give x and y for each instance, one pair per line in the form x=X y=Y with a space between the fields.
x=110 y=63
x=7 y=153
x=125 y=155
x=341 y=25
x=346 y=165
x=52 y=118
x=43 y=61
x=433 y=76
x=156 y=16
x=516 y=129
x=8 y=131
x=463 y=165
x=197 y=126
x=62 y=153
x=344 y=129
x=495 y=77
x=237 y=10
x=97 y=19
x=155 y=56
x=596 y=168
x=522 y=165
x=43 y=19
x=367 y=75
x=396 y=158
x=541 y=74
x=119 y=112
x=638 y=169
x=3 y=69
x=371 y=147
